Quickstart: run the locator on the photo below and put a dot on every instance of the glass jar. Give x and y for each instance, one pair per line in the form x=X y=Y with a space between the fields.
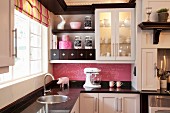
x=88 y=42
x=77 y=42
x=88 y=22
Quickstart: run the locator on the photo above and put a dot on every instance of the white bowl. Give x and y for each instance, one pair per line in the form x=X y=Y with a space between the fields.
x=75 y=25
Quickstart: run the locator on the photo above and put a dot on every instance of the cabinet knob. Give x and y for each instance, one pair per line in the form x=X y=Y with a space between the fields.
x=63 y=54
x=54 y=54
x=72 y=54
x=90 y=54
x=81 y=54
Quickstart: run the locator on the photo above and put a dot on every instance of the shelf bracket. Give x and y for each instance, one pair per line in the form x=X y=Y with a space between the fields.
x=156 y=33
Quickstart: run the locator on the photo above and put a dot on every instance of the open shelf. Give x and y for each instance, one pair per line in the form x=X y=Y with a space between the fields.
x=157 y=27
x=55 y=31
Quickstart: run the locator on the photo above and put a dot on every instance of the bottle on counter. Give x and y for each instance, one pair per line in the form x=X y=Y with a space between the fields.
x=88 y=42
x=77 y=42
x=88 y=22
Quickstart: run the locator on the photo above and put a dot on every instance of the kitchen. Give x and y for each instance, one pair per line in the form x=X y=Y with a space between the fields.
x=110 y=69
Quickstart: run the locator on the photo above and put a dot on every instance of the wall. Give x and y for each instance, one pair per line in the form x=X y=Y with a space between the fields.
x=147 y=35
x=115 y=72
x=15 y=91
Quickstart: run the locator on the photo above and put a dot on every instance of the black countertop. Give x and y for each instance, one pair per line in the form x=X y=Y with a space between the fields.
x=73 y=92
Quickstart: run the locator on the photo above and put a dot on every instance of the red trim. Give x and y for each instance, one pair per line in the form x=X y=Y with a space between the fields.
x=21 y=6
x=39 y=7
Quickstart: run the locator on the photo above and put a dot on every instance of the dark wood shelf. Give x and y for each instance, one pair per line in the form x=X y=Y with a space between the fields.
x=55 y=31
x=157 y=27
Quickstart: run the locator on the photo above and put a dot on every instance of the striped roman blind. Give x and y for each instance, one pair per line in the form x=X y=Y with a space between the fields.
x=34 y=10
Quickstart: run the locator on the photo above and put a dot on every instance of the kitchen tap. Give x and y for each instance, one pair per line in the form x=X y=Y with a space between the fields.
x=48 y=74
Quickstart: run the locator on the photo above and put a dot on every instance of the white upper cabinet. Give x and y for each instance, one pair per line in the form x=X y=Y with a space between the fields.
x=149 y=73
x=6 y=33
x=114 y=34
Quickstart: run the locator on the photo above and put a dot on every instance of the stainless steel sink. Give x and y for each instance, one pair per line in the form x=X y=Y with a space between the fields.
x=52 y=99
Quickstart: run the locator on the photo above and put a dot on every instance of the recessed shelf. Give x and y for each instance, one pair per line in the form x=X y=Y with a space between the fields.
x=55 y=31
x=157 y=27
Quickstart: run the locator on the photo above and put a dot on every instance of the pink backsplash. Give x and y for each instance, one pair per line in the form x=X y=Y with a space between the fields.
x=114 y=72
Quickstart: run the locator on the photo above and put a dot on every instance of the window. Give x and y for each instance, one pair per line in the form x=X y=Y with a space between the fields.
x=30 y=53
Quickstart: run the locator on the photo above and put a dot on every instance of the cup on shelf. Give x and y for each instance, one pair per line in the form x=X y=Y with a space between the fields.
x=108 y=54
x=106 y=40
x=128 y=40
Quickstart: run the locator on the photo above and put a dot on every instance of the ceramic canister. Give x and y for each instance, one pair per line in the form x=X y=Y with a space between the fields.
x=65 y=43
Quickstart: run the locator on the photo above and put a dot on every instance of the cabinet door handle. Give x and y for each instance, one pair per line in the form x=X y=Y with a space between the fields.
x=121 y=105
x=155 y=69
x=95 y=104
x=116 y=104
x=116 y=49
x=15 y=31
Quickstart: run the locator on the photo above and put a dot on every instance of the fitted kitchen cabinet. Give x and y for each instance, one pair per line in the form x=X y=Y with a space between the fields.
x=119 y=103
x=89 y=103
x=149 y=72
x=109 y=103
x=114 y=32
x=6 y=33
x=75 y=107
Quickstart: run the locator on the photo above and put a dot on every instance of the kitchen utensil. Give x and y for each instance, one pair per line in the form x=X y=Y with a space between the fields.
x=92 y=82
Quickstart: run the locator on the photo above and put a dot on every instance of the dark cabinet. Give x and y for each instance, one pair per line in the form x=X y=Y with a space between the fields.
x=73 y=54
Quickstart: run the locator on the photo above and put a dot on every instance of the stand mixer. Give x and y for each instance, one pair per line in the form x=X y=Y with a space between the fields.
x=89 y=72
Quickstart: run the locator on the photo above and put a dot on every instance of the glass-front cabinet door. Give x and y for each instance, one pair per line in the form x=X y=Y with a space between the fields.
x=114 y=32
x=104 y=35
x=125 y=34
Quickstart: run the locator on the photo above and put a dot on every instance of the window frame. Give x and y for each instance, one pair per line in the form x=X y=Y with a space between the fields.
x=44 y=54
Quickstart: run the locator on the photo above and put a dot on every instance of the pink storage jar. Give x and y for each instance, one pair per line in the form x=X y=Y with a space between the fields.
x=65 y=43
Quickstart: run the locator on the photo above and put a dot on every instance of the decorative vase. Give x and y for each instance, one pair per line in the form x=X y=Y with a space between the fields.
x=163 y=17
x=61 y=24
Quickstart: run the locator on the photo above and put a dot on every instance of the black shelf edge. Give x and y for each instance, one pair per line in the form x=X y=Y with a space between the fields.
x=114 y=5
x=154 y=25
x=157 y=27
x=55 y=31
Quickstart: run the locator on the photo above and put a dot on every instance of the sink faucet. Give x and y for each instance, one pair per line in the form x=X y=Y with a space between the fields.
x=48 y=74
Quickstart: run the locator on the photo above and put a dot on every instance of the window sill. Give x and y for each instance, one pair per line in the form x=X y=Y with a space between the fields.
x=12 y=82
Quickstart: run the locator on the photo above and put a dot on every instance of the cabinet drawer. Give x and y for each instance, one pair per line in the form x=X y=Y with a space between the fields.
x=81 y=54
x=54 y=54
x=73 y=54
x=90 y=54
x=63 y=54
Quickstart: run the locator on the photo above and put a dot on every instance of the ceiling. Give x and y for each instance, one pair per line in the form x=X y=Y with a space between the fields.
x=83 y=6
x=90 y=2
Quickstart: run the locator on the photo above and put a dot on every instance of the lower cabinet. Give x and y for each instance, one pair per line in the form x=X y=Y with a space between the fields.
x=89 y=103
x=119 y=103
x=76 y=107
x=109 y=103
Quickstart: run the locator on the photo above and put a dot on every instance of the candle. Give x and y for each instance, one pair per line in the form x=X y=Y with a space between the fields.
x=161 y=64
x=164 y=63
